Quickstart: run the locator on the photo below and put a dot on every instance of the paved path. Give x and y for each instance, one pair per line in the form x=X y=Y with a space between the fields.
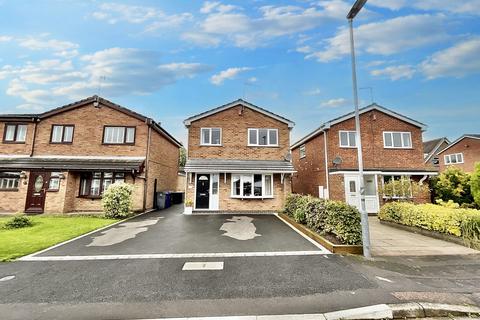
x=389 y=241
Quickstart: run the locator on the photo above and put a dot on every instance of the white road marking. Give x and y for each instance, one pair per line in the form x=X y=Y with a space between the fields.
x=7 y=278
x=315 y=243
x=190 y=266
x=240 y=228
x=171 y=256
x=384 y=279
x=125 y=231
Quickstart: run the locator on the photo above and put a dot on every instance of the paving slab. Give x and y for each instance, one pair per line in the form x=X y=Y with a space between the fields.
x=390 y=241
x=170 y=232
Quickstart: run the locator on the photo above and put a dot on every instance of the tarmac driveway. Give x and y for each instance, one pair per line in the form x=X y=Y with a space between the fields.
x=170 y=232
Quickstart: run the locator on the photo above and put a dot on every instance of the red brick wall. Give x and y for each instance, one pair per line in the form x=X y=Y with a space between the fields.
x=235 y=124
x=471 y=154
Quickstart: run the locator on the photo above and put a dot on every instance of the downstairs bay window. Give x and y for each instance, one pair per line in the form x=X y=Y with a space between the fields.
x=397 y=187
x=93 y=184
x=252 y=186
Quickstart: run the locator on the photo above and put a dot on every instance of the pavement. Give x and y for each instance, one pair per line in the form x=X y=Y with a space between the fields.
x=134 y=288
x=390 y=241
x=169 y=232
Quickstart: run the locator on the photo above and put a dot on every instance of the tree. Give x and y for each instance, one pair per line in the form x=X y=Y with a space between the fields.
x=475 y=184
x=183 y=157
x=453 y=184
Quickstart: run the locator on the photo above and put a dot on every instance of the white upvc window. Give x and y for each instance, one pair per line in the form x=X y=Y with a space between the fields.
x=253 y=186
x=453 y=158
x=262 y=137
x=397 y=140
x=118 y=135
x=347 y=139
x=211 y=136
x=302 y=151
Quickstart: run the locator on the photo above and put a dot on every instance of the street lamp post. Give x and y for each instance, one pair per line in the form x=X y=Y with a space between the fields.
x=357 y=6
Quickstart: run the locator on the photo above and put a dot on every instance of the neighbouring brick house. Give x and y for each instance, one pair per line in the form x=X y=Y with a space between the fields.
x=430 y=152
x=326 y=159
x=462 y=153
x=61 y=161
x=238 y=159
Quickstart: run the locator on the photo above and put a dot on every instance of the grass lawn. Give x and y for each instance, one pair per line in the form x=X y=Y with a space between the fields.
x=46 y=231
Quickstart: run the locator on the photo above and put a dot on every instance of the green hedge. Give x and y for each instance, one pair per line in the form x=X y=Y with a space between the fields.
x=326 y=216
x=444 y=219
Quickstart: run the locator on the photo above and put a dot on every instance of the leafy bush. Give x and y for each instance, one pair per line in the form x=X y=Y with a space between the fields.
x=444 y=219
x=453 y=184
x=326 y=216
x=18 y=222
x=117 y=200
x=475 y=184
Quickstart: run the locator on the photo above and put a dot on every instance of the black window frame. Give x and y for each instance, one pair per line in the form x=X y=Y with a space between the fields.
x=63 y=133
x=15 y=133
x=124 y=135
x=89 y=177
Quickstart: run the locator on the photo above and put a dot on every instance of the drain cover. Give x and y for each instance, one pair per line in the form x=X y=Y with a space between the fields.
x=189 y=266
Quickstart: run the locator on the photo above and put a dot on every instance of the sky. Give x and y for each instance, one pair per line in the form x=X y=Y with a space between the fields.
x=173 y=59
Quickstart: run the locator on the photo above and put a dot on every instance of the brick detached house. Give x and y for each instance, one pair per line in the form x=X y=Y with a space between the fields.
x=238 y=159
x=62 y=160
x=430 y=152
x=326 y=159
x=462 y=153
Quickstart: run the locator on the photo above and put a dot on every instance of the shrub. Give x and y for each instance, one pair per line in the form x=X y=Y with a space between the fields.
x=453 y=184
x=117 y=200
x=475 y=184
x=326 y=216
x=448 y=219
x=18 y=222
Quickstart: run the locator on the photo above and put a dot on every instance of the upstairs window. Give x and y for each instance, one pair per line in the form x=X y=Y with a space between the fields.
x=15 y=133
x=348 y=139
x=263 y=137
x=400 y=140
x=118 y=135
x=211 y=137
x=454 y=158
x=62 y=134
x=303 y=154
x=9 y=181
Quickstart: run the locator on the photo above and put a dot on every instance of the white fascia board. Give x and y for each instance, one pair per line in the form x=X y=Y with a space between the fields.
x=237 y=171
x=88 y=157
x=410 y=173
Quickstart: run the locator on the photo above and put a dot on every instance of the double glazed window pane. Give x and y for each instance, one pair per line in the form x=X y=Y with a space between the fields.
x=206 y=136
x=215 y=136
x=119 y=135
x=268 y=185
x=397 y=140
x=15 y=132
x=10 y=133
x=21 y=132
x=252 y=136
x=236 y=185
x=262 y=137
x=211 y=136
x=257 y=185
x=247 y=186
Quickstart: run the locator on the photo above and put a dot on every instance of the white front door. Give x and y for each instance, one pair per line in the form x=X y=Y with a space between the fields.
x=352 y=192
x=214 y=186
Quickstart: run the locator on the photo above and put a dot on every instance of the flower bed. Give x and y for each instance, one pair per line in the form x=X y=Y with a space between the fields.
x=454 y=221
x=326 y=217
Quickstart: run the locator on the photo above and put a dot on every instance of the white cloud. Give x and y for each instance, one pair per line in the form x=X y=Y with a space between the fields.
x=469 y=7
x=230 y=73
x=154 y=18
x=252 y=80
x=60 y=48
x=395 y=72
x=335 y=103
x=233 y=25
x=313 y=92
x=5 y=38
x=201 y=39
x=457 y=61
x=386 y=37
x=114 y=71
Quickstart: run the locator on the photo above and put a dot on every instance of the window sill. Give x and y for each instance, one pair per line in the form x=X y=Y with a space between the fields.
x=211 y=145
x=398 y=148
x=53 y=190
x=251 y=198
x=51 y=142
x=13 y=142
x=261 y=146
x=118 y=144
x=348 y=147
x=90 y=197
x=9 y=190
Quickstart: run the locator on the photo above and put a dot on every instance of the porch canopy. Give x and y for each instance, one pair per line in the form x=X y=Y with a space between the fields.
x=73 y=163
x=387 y=172
x=239 y=166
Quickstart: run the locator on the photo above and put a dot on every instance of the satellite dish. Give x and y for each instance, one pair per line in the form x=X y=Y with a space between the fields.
x=337 y=161
x=288 y=156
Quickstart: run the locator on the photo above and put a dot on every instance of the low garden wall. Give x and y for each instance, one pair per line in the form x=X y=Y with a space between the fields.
x=453 y=221
x=336 y=220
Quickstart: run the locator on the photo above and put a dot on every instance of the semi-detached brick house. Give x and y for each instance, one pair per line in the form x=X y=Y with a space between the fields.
x=61 y=161
x=462 y=153
x=326 y=159
x=238 y=159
